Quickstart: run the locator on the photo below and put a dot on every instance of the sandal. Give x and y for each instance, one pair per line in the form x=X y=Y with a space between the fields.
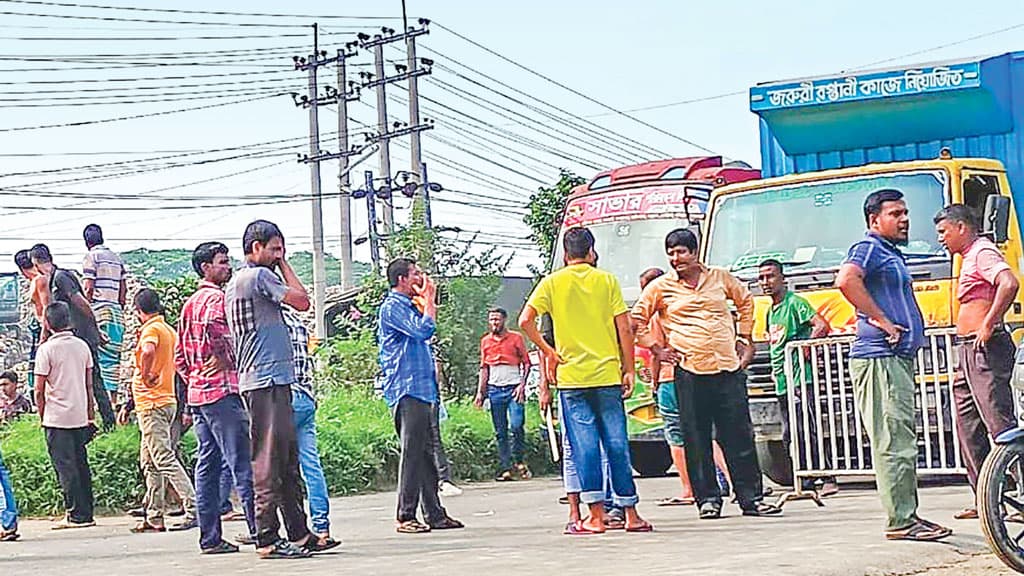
x=222 y=548
x=68 y=524
x=412 y=527
x=577 y=528
x=919 y=531
x=966 y=514
x=145 y=527
x=315 y=544
x=614 y=524
x=448 y=523
x=283 y=550
x=643 y=526
x=763 y=509
x=232 y=516
x=9 y=535
x=676 y=501
x=708 y=511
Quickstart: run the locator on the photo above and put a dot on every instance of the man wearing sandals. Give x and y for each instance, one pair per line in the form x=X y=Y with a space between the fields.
x=66 y=405
x=410 y=390
x=890 y=330
x=8 y=506
x=710 y=350
x=986 y=290
x=593 y=367
x=253 y=301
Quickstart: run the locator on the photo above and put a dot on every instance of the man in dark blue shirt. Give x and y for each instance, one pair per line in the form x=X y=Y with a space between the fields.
x=410 y=390
x=890 y=330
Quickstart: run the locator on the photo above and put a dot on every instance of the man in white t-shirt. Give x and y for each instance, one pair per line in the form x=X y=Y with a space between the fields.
x=66 y=408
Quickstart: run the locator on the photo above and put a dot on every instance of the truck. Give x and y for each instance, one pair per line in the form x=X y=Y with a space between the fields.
x=630 y=209
x=942 y=133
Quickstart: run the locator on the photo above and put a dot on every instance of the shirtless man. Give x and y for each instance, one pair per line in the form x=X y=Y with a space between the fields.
x=37 y=285
x=986 y=289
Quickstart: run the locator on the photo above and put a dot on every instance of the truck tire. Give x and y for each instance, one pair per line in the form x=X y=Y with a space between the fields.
x=775 y=462
x=650 y=459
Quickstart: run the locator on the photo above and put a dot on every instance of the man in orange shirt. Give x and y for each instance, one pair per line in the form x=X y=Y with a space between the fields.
x=156 y=406
x=504 y=366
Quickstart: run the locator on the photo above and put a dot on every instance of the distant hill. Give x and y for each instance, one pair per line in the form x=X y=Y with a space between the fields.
x=170 y=264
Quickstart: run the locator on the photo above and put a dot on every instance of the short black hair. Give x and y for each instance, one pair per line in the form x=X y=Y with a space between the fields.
x=873 y=203
x=577 y=242
x=262 y=231
x=399 y=268
x=498 y=310
x=93 y=235
x=23 y=260
x=204 y=254
x=58 y=316
x=774 y=264
x=148 y=301
x=651 y=273
x=682 y=238
x=959 y=213
x=10 y=375
x=41 y=253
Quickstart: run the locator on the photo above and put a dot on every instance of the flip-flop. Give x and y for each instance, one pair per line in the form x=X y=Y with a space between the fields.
x=644 y=527
x=412 y=527
x=68 y=525
x=577 y=528
x=614 y=524
x=9 y=536
x=676 y=501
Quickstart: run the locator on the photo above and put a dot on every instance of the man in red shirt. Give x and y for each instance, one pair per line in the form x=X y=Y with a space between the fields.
x=205 y=357
x=504 y=367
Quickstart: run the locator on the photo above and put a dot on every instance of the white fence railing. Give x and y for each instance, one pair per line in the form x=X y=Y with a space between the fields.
x=826 y=430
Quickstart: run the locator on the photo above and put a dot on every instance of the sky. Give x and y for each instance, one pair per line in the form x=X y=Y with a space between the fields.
x=502 y=124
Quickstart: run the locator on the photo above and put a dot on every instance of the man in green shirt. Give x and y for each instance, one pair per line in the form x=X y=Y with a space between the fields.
x=791 y=317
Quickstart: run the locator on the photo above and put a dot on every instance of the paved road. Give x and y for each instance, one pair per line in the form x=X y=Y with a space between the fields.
x=516 y=528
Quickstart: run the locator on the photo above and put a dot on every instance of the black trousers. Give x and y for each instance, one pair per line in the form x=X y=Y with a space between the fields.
x=71 y=461
x=417 y=472
x=720 y=401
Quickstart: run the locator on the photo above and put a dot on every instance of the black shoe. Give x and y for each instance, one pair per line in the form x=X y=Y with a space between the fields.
x=710 y=511
x=563 y=500
x=222 y=548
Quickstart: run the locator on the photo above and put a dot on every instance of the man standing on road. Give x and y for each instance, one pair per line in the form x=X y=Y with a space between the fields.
x=304 y=409
x=156 y=407
x=205 y=357
x=8 y=505
x=592 y=363
x=410 y=390
x=266 y=371
x=504 y=367
x=63 y=286
x=65 y=400
x=37 y=286
x=103 y=282
x=890 y=330
x=710 y=350
x=791 y=317
x=986 y=290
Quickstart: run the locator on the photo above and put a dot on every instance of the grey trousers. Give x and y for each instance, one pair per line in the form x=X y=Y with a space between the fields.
x=417 y=473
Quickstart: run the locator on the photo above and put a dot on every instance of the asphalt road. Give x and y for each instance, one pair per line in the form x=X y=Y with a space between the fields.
x=516 y=528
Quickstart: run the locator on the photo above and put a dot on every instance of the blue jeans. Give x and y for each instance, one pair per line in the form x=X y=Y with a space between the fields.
x=304 y=409
x=8 y=506
x=222 y=429
x=505 y=412
x=594 y=418
x=227 y=484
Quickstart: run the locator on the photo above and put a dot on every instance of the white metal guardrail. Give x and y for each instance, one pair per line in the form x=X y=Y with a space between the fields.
x=826 y=430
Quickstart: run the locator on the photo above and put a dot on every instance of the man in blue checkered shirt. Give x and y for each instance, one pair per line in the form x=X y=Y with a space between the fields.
x=304 y=410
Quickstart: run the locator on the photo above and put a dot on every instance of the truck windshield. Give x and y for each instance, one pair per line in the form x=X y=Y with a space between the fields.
x=811 y=226
x=627 y=248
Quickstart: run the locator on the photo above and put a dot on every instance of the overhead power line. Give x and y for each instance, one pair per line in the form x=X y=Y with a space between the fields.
x=204 y=12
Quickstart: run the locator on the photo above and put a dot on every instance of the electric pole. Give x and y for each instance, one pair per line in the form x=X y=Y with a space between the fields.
x=349 y=92
x=379 y=80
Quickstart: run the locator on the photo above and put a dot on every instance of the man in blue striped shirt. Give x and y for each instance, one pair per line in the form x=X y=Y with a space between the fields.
x=410 y=390
x=890 y=331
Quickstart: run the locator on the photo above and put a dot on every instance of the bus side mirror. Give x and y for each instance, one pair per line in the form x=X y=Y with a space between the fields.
x=996 y=222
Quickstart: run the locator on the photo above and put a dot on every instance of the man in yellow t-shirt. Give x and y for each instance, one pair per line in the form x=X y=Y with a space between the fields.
x=592 y=363
x=156 y=405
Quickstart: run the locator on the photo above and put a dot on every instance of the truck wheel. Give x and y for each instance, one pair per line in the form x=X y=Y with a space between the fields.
x=650 y=458
x=775 y=462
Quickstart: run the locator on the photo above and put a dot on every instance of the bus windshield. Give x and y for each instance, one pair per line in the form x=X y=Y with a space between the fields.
x=628 y=247
x=811 y=226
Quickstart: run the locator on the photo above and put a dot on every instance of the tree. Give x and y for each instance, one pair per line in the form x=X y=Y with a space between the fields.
x=547 y=206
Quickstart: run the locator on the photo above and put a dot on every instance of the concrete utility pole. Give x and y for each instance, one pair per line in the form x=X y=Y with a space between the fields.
x=379 y=80
x=350 y=92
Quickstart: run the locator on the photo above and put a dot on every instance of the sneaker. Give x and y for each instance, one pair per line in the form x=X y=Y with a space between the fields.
x=448 y=489
x=283 y=549
x=524 y=471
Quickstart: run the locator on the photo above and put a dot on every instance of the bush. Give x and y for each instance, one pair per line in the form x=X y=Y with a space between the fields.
x=358 y=448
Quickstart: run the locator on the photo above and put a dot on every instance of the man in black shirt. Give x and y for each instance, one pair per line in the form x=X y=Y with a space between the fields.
x=63 y=286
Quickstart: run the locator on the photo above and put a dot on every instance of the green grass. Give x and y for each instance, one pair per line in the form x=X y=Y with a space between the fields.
x=358 y=448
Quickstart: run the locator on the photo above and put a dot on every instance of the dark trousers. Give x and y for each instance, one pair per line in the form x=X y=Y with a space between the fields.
x=417 y=472
x=99 y=392
x=71 y=461
x=222 y=429
x=720 y=401
x=984 y=401
x=275 y=465
x=444 y=468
